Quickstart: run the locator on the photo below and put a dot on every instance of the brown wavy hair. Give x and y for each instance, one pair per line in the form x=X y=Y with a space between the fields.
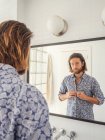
x=15 y=44
x=82 y=59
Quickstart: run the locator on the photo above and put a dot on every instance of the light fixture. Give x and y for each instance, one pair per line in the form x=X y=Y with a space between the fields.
x=103 y=16
x=57 y=25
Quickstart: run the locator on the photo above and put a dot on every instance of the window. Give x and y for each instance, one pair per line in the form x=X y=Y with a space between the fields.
x=38 y=68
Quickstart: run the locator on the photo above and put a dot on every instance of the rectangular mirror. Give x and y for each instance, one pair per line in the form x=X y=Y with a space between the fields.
x=48 y=66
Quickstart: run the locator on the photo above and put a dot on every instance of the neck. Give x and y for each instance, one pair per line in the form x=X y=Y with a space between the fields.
x=79 y=75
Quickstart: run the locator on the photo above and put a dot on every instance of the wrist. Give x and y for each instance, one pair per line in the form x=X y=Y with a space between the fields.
x=86 y=97
x=66 y=96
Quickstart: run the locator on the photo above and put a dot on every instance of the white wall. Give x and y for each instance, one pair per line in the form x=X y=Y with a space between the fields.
x=84 y=130
x=20 y=10
x=8 y=10
x=83 y=18
x=98 y=71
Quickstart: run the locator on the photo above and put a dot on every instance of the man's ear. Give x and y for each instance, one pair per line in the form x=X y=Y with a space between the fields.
x=82 y=63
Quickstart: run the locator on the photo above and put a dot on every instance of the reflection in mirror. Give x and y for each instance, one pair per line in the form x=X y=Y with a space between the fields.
x=50 y=73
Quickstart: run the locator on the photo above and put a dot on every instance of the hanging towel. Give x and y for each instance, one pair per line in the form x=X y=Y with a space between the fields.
x=49 y=87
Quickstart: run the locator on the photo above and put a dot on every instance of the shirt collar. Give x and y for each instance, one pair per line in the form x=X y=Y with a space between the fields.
x=83 y=76
x=8 y=68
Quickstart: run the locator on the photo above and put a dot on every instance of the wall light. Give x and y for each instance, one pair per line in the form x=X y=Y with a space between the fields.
x=57 y=25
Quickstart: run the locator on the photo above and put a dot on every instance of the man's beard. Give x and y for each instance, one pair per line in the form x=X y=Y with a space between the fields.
x=79 y=71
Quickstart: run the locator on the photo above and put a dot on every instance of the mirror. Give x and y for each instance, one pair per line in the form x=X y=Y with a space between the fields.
x=48 y=66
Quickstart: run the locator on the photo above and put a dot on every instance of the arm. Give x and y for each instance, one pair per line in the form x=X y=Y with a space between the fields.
x=83 y=96
x=67 y=95
x=92 y=100
x=62 y=97
x=33 y=120
x=98 y=97
x=97 y=92
x=64 y=94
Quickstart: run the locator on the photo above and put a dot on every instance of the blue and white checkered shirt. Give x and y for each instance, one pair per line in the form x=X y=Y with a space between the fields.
x=80 y=108
x=24 y=113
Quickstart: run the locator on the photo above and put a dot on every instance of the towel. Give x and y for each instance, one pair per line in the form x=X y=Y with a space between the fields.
x=49 y=87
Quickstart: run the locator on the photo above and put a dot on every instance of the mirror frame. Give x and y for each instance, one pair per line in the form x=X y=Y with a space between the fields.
x=69 y=42
x=73 y=118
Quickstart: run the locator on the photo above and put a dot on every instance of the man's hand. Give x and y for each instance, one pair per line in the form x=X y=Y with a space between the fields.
x=70 y=94
x=89 y=99
x=82 y=95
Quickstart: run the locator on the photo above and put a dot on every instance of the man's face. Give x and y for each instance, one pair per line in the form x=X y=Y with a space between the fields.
x=76 y=65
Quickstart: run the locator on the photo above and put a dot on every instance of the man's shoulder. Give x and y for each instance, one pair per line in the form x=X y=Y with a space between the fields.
x=30 y=88
x=89 y=77
x=68 y=77
x=31 y=92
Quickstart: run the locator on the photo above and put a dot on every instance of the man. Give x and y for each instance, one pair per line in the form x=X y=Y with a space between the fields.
x=24 y=113
x=80 y=89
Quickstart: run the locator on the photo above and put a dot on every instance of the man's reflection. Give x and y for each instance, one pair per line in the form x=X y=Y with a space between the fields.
x=80 y=89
